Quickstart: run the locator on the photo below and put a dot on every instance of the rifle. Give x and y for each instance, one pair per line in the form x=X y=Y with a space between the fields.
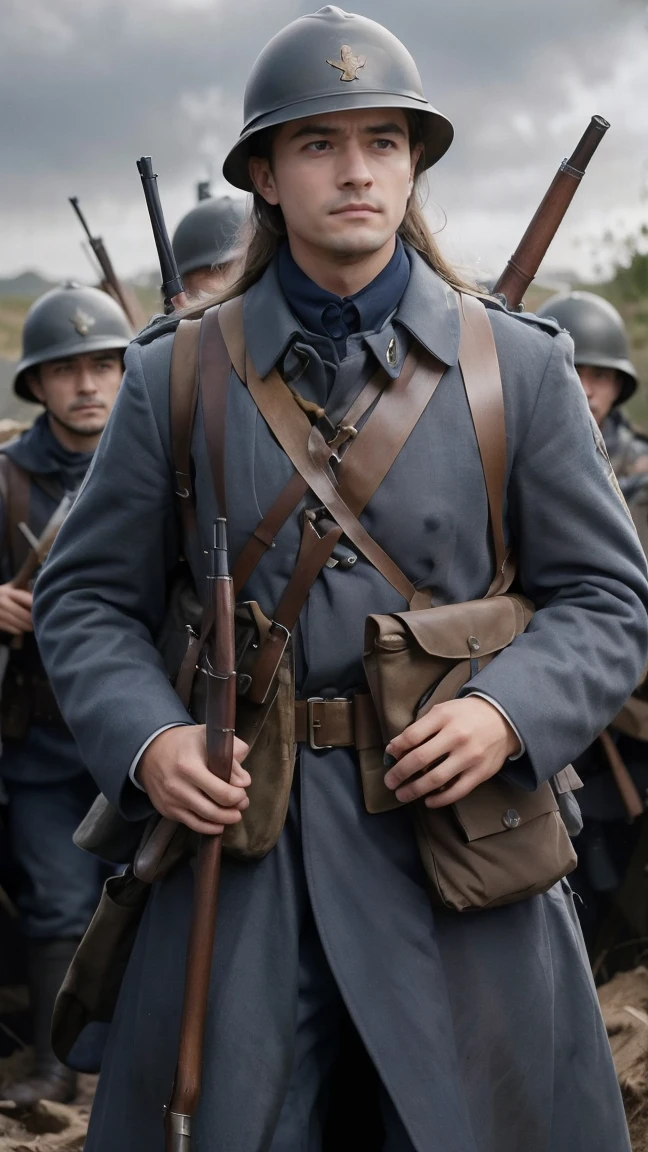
x=172 y=288
x=530 y=252
x=40 y=548
x=111 y=282
x=221 y=715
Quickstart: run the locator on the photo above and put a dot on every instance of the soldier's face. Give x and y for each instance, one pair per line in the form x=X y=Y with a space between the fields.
x=79 y=392
x=602 y=387
x=342 y=180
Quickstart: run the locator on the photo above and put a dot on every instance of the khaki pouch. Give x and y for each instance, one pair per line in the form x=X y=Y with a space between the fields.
x=500 y=843
x=94 y=978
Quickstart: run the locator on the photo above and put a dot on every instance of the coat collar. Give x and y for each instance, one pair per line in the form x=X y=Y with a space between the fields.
x=428 y=311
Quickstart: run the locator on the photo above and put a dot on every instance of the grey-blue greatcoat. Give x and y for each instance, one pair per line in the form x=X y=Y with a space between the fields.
x=484 y=1027
x=46 y=781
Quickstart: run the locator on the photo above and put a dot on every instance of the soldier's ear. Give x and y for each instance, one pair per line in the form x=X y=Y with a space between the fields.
x=415 y=156
x=263 y=179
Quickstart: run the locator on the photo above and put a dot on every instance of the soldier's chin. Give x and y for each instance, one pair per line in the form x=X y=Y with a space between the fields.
x=88 y=426
x=359 y=243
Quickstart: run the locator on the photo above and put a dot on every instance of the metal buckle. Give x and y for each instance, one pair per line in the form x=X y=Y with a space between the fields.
x=314 y=724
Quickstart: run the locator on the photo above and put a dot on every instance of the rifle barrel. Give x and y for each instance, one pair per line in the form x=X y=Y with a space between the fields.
x=530 y=252
x=172 y=287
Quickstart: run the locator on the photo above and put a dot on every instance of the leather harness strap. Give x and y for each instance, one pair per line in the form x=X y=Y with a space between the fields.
x=483 y=384
x=16 y=494
x=363 y=467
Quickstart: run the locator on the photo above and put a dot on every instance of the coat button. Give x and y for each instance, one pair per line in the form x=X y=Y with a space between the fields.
x=511 y=819
x=392 y=354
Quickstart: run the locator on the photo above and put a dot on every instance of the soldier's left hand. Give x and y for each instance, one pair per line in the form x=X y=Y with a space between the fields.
x=454 y=747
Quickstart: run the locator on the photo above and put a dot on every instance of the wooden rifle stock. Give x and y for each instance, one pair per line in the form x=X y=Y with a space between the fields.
x=221 y=716
x=111 y=282
x=530 y=252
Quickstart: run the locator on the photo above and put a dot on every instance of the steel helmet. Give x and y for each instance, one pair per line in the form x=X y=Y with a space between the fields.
x=208 y=234
x=330 y=61
x=69 y=321
x=598 y=332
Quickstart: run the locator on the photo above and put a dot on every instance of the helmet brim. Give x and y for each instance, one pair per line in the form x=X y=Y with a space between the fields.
x=625 y=368
x=99 y=344
x=436 y=130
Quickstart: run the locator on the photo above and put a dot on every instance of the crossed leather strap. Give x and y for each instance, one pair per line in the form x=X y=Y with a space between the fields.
x=342 y=471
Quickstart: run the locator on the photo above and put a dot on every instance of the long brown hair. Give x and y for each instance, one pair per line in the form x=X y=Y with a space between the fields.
x=265 y=228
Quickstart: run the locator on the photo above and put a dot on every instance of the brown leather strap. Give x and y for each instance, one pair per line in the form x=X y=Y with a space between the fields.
x=214 y=370
x=16 y=492
x=370 y=456
x=483 y=383
x=289 y=499
x=628 y=791
x=230 y=318
x=314 y=551
x=183 y=395
x=292 y=429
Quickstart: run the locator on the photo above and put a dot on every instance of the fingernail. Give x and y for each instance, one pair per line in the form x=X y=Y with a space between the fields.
x=389 y=760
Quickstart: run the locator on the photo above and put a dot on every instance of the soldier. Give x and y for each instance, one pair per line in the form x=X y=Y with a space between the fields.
x=608 y=376
x=484 y=1027
x=607 y=844
x=207 y=244
x=72 y=363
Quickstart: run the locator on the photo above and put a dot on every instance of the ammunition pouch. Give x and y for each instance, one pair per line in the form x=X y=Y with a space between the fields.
x=500 y=843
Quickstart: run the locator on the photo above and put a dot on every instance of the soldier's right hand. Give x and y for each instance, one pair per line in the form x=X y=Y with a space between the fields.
x=173 y=771
x=15 y=610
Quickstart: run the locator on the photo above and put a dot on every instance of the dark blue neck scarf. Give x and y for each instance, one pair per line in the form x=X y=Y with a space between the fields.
x=326 y=314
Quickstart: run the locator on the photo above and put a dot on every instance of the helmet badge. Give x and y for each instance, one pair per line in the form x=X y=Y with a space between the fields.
x=82 y=322
x=349 y=64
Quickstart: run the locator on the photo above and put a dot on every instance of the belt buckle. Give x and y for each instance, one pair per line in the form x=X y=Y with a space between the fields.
x=314 y=724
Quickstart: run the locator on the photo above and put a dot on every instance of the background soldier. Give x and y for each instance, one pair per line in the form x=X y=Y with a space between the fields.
x=602 y=359
x=72 y=363
x=207 y=244
x=609 y=840
x=484 y=1028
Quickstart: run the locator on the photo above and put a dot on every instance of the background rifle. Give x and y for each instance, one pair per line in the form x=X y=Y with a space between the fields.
x=40 y=548
x=111 y=282
x=172 y=288
x=525 y=261
x=221 y=716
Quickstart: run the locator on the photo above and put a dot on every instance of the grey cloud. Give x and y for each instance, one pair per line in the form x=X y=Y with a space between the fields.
x=85 y=89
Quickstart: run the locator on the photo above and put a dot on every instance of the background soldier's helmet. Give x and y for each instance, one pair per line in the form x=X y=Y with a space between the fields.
x=208 y=234
x=68 y=321
x=331 y=61
x=598 y=332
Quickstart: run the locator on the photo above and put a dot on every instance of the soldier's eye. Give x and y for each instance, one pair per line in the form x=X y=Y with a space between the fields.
x=319 y=145
x=384 y=145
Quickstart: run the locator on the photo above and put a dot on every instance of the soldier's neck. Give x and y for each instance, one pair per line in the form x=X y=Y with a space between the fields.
x=343 y=275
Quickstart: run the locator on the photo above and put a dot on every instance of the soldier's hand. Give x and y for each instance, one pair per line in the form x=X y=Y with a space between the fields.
x=454 y=747
x=15 y=610
x=173 y=770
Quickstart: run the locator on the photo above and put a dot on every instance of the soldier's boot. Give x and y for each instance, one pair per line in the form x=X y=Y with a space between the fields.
x=48 y=962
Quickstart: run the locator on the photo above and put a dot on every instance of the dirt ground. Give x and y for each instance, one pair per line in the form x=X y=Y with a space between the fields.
x=48 y=1127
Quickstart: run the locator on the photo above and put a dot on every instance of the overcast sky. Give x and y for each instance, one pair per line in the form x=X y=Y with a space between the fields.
x=86 y=88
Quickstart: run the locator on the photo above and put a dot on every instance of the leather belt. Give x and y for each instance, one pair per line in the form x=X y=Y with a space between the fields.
x=338 y=723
